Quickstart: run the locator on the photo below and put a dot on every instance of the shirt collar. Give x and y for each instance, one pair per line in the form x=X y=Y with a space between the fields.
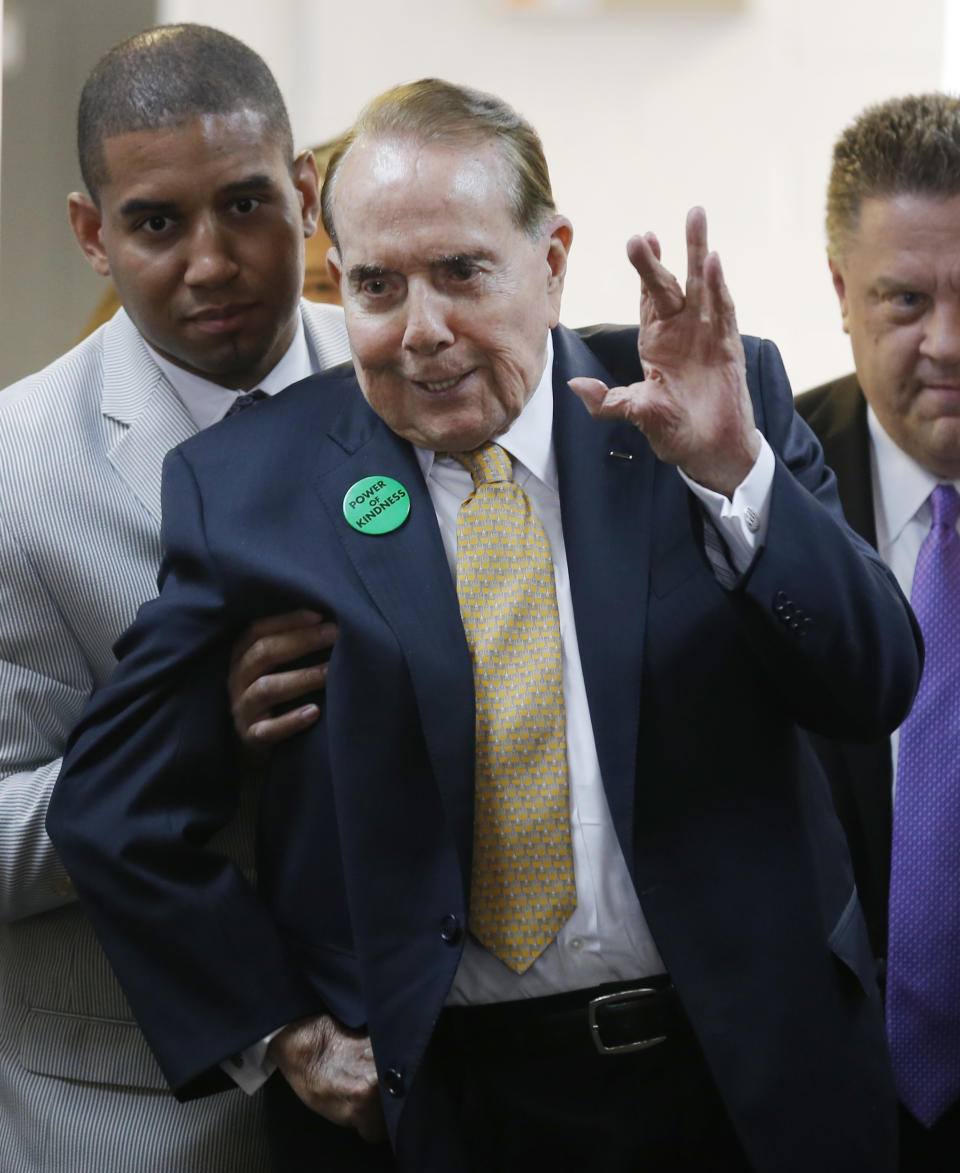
x=901 y=486
x=529 y=439
x=208 y=402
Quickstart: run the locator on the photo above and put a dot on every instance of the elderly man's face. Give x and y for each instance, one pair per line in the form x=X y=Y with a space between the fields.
x=448 y=303
x=899 y=290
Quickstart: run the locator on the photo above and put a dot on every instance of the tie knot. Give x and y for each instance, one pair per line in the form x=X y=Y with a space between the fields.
x=244 y=400
x=486 y=464
x=945 y=506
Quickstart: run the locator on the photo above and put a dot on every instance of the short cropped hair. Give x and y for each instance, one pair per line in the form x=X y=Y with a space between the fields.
x=903 y=146
x=166 y=76
x=434 y=111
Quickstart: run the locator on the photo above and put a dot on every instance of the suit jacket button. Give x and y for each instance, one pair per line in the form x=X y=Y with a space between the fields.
x=393 y=1081
x=450 y=931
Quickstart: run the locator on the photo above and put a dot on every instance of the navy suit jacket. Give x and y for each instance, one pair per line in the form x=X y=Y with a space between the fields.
x=697 y=697
x=860 y=773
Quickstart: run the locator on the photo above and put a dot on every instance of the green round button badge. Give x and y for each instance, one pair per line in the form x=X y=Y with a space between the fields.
x=376 y=505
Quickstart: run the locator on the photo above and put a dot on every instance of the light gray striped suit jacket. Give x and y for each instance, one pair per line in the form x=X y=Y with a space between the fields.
x=81 y=448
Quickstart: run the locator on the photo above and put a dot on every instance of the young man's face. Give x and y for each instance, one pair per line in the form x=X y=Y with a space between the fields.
x=201 y=226
x=899 y=288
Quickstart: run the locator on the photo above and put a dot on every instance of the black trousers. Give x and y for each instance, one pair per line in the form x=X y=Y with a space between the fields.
x=930 y=1150
x=530 y=1090
x=303 y=1142
x=535 y=1092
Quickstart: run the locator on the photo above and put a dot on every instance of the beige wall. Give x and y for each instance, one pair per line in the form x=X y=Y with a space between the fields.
x=47 y=290
x=643 y=112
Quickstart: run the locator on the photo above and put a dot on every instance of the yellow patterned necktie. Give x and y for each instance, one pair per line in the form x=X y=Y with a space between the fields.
x=522 y=882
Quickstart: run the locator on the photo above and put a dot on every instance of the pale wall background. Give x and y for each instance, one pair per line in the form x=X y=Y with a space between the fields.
x=645 y=108
x=643 y=112
x=47 y=289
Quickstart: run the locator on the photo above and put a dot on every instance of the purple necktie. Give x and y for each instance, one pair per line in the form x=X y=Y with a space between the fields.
x=923 y=966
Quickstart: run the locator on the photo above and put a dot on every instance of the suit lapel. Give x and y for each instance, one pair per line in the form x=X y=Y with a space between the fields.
x=862 y=774
x=606 y=507
x=137 y=396
x=407 y=576
x=326 y=333
x=846 y=446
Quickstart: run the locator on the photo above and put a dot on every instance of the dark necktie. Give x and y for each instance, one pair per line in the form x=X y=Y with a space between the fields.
x=923 y=968
x=244 y=400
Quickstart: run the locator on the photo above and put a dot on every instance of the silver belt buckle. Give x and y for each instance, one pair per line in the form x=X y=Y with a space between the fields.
x=611 y=1000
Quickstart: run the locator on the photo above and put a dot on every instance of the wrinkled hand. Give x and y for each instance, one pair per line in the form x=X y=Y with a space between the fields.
x=693 y=405
x=255 y=686
x=332 y=1070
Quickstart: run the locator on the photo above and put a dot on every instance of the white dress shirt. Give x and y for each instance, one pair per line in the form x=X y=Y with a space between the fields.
x=208 y=402
x=606 y=938
x=901 y=511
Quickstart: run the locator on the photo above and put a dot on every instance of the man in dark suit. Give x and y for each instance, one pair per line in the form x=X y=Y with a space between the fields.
x=891 y=432
x=683 y=980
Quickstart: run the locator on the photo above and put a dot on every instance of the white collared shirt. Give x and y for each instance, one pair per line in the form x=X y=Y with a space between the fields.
x=607 y=937
x=208 y=402
x=901 y=510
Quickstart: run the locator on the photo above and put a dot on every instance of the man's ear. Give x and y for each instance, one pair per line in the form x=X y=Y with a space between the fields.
x=558 y=249
x=840 y=285
x=87 y=224
x=306 y=179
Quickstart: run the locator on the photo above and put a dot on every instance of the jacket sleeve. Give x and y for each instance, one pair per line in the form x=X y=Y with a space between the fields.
x=148 y=777
x=826 y=615
x=837 y=642
x=44 y=684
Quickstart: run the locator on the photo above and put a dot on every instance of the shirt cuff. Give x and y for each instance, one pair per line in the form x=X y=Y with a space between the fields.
x=250 y=1069
x=742 y=521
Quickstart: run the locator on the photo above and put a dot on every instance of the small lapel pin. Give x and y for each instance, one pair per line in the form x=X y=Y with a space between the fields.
x=620 y=455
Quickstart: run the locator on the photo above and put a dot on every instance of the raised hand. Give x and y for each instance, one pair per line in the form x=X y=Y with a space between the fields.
x=693 y=404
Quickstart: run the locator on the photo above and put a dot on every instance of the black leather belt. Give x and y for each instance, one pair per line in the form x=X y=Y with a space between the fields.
x=615 y=1019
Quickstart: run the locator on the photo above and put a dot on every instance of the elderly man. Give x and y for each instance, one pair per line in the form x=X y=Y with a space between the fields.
x=892 y=434
x=557 y=842
x=197 y=208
